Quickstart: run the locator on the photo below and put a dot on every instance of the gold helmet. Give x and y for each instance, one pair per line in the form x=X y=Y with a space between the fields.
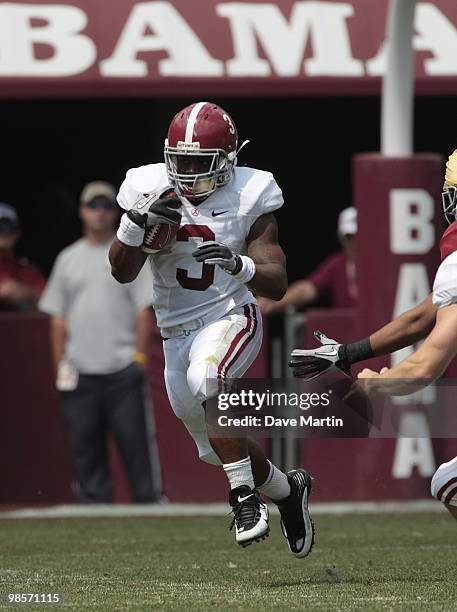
x=449 y=195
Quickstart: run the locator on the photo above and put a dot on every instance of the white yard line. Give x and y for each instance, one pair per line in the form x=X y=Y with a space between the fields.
x=216 y=509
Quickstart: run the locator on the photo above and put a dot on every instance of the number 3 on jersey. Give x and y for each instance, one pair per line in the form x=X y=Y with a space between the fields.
x=207 y=277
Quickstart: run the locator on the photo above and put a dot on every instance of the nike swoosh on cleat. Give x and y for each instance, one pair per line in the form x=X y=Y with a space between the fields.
x=216 y=214
x=242 y=499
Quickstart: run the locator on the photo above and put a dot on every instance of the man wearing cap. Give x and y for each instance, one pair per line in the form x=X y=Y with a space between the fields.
x=334 y=280
x=21 y=283
x=99 y=335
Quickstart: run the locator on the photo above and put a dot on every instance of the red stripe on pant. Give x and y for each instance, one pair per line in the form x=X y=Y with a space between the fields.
x=234 y=343
x=450 y=495
x=440 y=493
x=246 y=342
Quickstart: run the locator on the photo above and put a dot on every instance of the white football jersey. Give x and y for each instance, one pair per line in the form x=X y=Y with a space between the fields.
x=183 y=289
x=445 y=285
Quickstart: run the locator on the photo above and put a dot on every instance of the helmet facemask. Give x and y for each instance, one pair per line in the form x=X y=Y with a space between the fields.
x=449 y=199
x=195 y=172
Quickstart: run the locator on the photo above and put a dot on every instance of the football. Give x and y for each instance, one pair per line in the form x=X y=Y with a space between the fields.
x=157 y=237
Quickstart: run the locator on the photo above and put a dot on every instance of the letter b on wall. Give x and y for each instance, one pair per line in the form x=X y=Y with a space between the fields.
x=412 y=228
x=399 y=224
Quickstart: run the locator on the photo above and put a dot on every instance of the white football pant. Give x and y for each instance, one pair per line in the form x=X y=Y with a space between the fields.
x=220 y=350
x=444 y=483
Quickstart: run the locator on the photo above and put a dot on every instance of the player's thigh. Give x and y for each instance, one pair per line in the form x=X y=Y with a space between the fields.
x=185 y=405
x=224 y=349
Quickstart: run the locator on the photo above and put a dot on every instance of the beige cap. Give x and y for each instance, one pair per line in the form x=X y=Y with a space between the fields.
x=97 y=189
x=347 y=222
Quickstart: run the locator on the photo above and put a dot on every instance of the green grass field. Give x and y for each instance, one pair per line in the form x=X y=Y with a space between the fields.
x=359 y=562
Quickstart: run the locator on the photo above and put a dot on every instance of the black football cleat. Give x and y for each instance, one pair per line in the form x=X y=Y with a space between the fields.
x=250 y=515
x=296 y=523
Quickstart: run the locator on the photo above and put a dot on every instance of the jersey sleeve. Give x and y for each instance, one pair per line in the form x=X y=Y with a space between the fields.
x=445 y=285
x=262 y=196
x=141 y=181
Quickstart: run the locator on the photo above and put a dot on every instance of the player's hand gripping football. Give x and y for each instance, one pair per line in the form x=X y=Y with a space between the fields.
x=215 y=253
x=312 y=363
x=149 y=211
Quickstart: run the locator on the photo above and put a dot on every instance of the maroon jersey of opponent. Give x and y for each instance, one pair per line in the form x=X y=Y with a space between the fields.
x=448 y=242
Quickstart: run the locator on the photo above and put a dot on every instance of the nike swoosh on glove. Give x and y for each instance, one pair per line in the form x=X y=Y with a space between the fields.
x=312 y=363
x=154 y=210
x=215 y=253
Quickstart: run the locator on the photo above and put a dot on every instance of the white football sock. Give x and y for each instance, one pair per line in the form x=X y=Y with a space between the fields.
x=239 y=473
x=276 y=486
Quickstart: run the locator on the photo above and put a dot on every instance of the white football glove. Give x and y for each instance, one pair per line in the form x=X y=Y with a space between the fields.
x=312 y=363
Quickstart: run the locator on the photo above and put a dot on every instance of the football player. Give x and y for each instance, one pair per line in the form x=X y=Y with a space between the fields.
x=226 y=249
x=437 y=315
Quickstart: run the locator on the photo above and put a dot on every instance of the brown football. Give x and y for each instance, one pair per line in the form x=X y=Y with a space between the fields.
x=157 y=237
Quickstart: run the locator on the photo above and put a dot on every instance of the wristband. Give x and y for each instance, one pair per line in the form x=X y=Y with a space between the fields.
x=356 y=351
x=140 y=357
x=247 y=270
x=129 y=233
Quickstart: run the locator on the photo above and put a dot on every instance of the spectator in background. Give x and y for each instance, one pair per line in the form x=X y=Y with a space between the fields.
x=334 y=280
x=21 y=283
x=99 y=334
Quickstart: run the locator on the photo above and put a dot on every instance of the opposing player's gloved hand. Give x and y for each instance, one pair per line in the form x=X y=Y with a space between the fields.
x=149 y=211
x=312 y=363
x=215 y=253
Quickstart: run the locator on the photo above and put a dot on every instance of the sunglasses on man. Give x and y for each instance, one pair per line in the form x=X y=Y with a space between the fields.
x=100 y=203
x=8 y=226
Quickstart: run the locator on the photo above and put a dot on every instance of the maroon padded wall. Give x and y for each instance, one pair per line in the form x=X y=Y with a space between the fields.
x=34 y=456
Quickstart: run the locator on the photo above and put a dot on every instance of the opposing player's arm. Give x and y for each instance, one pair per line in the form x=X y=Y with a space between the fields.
x=410 y=327
x=126 y=261
x=427 y=363
x=270 y=278
x=407 y=329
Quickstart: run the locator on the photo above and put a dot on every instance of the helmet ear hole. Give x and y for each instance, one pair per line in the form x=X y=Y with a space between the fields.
x=449 y=200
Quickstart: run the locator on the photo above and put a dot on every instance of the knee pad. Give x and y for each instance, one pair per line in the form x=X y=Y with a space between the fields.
x=444 y=483
x=199 y=373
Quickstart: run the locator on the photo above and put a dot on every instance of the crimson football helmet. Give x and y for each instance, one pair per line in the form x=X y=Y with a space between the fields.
x=200 y=150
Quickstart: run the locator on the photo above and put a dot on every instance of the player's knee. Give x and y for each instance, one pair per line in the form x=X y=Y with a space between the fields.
x=444 y=483
x=181 y=399
x=200 y=375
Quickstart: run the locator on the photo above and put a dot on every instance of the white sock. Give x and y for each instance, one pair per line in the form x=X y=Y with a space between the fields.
x=239 y=473
x=276 y=486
